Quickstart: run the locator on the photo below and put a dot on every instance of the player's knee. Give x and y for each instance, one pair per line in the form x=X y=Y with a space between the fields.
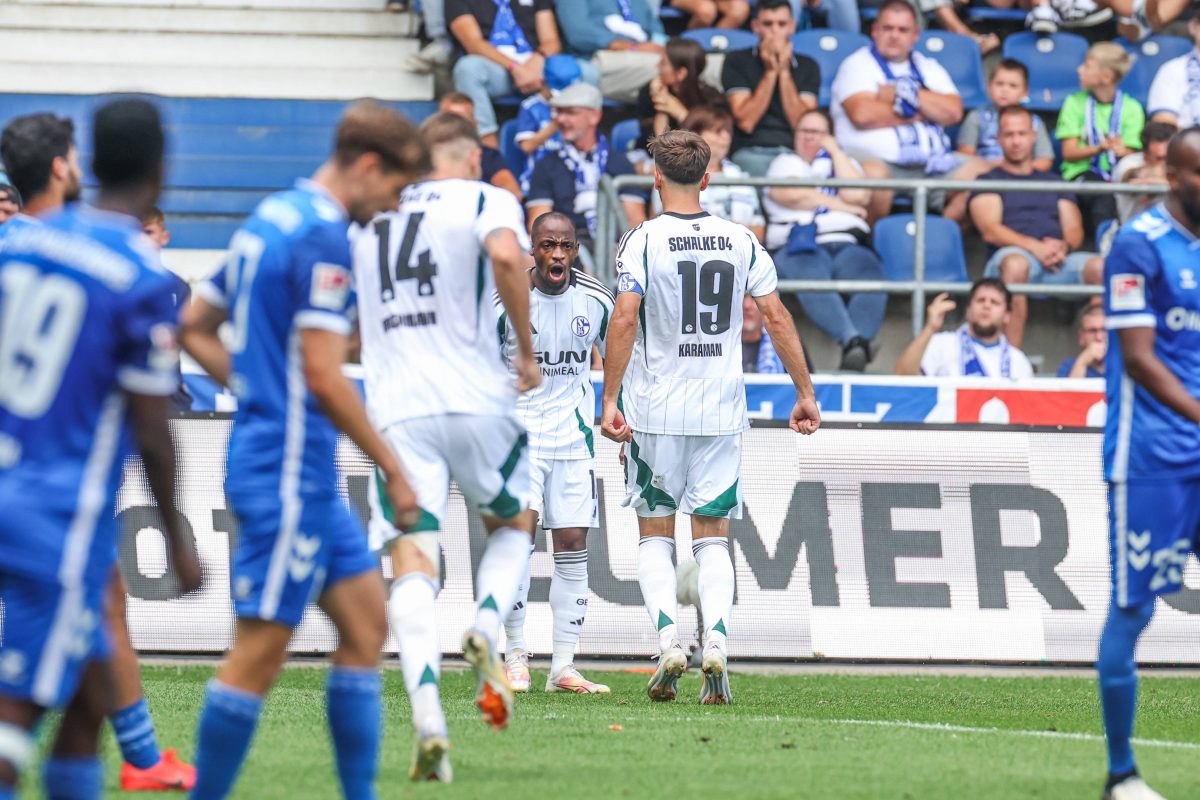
x=570 y=540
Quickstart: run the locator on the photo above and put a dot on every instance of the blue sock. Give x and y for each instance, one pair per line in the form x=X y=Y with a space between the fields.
x=135 y=734
x=1119 y=682
x=355 y=721
x=72 y=778
x=227 y=725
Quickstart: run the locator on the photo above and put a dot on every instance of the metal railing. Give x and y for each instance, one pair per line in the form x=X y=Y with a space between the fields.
x=611 y=221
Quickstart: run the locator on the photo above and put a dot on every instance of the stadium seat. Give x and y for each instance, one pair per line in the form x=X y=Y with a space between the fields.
x=828 y=48
x=1051 y=61
x=722 y=40
x=944 y=259
x=1150 y=54
x=960 y=56
x=625 y=134
x=985 y=13
x=509 y=149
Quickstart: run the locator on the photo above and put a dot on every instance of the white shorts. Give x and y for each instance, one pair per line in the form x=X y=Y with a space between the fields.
x=564 y=493
x=487 y=457
x=693 y=474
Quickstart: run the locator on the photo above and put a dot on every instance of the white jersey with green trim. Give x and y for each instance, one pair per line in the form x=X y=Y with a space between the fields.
x=559 y=413
x=425 y=286
x=692 y=270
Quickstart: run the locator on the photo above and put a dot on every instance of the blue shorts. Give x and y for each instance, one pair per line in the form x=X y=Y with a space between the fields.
x=51 y=634
x=286 y=557
x=1154 y=526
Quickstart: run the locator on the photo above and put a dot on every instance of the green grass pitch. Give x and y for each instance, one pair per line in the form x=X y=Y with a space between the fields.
x=806 y=736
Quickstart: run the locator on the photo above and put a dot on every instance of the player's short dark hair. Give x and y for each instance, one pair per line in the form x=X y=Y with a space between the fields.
x=368 y=127
x=127 y=143
x=28 y=147
x=771 y=5
x=542 y=219
x=681 y=156
x=991 y=283
x=1158 y=131
x=1011 y=65
x=1014 y=111
x=901 y=5
x=153 y=215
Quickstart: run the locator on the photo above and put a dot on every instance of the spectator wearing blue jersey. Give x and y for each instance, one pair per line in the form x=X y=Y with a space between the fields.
x=1093 y=344
x=620 y=41
x=84 y=281
x=1151 y=438
x=537 y=130
x=286 y=291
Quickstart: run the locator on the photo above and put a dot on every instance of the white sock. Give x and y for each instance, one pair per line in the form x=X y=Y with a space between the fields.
x=656 y=576
x=716 y=588
x=505 y=559
x=514 y=623
x=568 y=603
x=411 y=613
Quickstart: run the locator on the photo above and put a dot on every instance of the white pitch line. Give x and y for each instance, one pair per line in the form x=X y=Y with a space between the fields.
x=947 y=728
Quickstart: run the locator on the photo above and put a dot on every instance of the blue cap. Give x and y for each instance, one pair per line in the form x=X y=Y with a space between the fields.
x=560 y=72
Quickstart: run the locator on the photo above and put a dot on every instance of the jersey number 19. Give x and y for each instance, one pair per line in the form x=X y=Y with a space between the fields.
x=712 y=286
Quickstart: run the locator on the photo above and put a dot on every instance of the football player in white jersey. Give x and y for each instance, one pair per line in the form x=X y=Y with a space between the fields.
x=439 y=392
x=569 y=311
x=681 y=408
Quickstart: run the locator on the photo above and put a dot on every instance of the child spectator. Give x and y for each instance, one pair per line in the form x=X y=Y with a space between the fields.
x=537 y=131
x=1147 y=168
x=1098 y=126
x=735 y=203
x=1007 y=86
x=676 y=90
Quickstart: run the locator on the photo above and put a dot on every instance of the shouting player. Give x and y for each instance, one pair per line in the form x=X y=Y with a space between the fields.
x=39 y=152
x=88 y=345
x=438 y=390
x=682 y=408
x=569 y=311
x=286 y=292
x=1151 y=440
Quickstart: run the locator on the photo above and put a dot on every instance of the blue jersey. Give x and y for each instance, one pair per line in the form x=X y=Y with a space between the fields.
x=288 y=269
x=85 y=316
x=1152 y=280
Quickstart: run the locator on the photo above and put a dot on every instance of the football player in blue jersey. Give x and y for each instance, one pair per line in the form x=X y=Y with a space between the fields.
x=1152 y=437
x=286 y=292
x=86 y=352
x=39 y=152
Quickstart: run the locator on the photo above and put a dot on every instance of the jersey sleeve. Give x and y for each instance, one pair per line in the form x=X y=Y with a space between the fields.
x=527 y=124
x=632 y=274
x=498 y=210
x=1042 y=146
x=148 y=355
x=1129 y=274
x=604 y=307
x=322 y=281
x=762 y=278
x=937 y=79
x=854 y=76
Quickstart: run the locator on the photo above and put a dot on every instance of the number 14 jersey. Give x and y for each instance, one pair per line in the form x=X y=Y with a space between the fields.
x=692 y=270
x=425 y=286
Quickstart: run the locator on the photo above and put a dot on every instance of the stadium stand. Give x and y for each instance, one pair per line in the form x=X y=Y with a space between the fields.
x=960 y=56
x=944 y=259
x=828 y=48
x=720 y=40
x=1051 y=61
x=1151 y=54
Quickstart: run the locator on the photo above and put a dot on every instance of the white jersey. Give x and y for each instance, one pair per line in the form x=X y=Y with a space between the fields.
x=559 y=413
x=425 y=287
x=685 y=375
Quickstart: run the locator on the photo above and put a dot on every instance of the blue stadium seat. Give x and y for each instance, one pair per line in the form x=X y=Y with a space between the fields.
x=960 y=56
x=625 y=134
x=828 y=48
x=944 y=259
x=1151 y=53
x=722 y=40
x=985 y=13
x=509 y=149
x=1051 y=61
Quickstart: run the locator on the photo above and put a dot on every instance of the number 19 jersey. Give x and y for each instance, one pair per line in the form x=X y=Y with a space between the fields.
x=425 y=286
x=692 y=270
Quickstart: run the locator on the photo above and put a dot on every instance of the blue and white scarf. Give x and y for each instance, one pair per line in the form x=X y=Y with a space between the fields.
x=587 y=172
x=1105 y=160
x=921 y=143
x=506 y=33
x=971 y=365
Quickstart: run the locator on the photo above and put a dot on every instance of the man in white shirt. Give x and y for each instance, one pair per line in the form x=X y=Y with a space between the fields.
x=892 y=104
x=977 y=348
x=1175 y=92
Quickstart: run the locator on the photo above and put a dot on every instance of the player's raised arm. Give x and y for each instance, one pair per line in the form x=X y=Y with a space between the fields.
x=805 y=418
x=510 y=267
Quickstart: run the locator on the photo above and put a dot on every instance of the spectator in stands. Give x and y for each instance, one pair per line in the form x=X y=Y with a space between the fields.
x=154 y=225
x=840 y=15
x=713 y=13
x=495 y=168
x=507 y=43
x=978 y=348
x=822 y=234
x=946 y=14
x=768 y=87
x=663 y=103
x=1088 y=18
x=1032 y=237
x=438 y=52
x=1093 y=343
x=622 y=40
x=1148 y=167
x=758 y=354
x=1007 y=86
x=891 y=105
x=735 y=203
x=537 y=132
x=1098 y=126
x=568 y=180
x=1175 y=92
x=10 y=202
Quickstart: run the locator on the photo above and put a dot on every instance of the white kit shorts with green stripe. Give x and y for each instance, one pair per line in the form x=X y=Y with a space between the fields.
x=487 y=456
x=564 y=493
x=665 y=473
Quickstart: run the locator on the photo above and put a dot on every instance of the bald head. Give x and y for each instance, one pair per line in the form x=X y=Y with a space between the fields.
x=1183 y=176
x=1184 y=148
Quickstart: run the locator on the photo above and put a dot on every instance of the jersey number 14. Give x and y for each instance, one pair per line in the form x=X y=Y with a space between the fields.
x=423 y=271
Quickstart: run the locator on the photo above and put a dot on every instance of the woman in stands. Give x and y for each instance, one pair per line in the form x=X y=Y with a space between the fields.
x=663 y=104
x=735 y=203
